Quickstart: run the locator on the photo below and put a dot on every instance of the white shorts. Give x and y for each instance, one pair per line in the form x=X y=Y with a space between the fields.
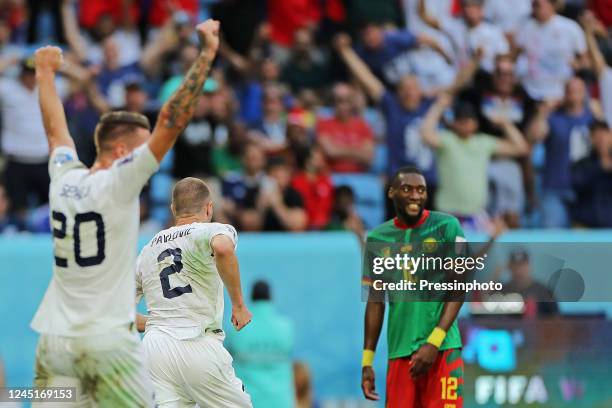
x=107 y=370
x=193 y=371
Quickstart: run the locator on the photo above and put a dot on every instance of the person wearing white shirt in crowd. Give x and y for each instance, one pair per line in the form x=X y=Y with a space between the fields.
x=24 y=142
x=433 y=69
x=553 y=46
x=508 y=15
x=602 y=70
x=470 y=33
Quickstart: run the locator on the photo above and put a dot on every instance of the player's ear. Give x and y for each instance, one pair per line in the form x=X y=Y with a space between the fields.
x=172 y=209
x=391 y=192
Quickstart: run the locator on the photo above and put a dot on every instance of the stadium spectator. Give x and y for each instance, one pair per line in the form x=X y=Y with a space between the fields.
x=470 y=33
x=10 y=53
x=554 y=46
x=509 y=16
x=8 y=223
x=565 y=133
x=187 y=55
x=603 y=72
x=241 y=190
x=226 y=158
x=345 y=139
x=194 y=146
x=592 y=181
x=262 y=352
x=315 y=187
x=538 y=299
x=306 y=68
x=270 y=131
x=463 y=157
x=280 y=207
x=500 y=95
x=344 y=215
x=24 y=142
x=385 y=51
x=103 y=22
x=285 y=18
x=434 y=70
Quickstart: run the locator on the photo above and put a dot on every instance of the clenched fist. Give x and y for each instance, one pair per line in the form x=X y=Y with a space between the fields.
x=48 y=59
x=208 y=32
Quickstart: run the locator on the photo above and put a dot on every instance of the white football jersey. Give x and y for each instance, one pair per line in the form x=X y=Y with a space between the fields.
x=94 y=218
x=178 y=276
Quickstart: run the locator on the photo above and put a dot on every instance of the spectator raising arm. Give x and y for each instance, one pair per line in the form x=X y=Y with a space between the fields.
x=429 y=128
x=48 y=61
x=71 y=30
x=538 y=128
x=374 y=88
x=178 y=110
x=514 y=145
x=427 y=18
x=597 y=59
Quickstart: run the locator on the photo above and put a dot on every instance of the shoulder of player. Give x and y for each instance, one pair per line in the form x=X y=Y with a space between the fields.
x=443 y=218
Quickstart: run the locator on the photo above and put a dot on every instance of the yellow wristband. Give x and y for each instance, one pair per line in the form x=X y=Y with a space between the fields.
x=367 y=359
x=436 y=337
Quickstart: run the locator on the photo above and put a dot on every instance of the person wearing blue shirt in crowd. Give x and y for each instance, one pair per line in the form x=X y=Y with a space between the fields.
x=403 y=110
x=565 y=133
x=262 y=353
x=592 y=181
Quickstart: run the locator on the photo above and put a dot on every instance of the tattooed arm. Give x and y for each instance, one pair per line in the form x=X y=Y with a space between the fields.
x=178 y=110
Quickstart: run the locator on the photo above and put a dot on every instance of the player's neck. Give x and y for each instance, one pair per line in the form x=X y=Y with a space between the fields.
x=188 y=220
x=101 y=163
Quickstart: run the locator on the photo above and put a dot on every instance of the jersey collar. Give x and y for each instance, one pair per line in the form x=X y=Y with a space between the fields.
x=399 y=224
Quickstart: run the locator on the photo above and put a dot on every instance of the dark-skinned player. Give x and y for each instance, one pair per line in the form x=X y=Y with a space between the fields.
x=425 y=368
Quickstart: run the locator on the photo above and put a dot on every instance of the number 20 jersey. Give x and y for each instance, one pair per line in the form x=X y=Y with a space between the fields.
x=95 y=220
x=178 y=276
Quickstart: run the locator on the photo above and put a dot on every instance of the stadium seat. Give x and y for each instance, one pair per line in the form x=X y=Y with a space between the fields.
x=379 y=164
x=369 y=193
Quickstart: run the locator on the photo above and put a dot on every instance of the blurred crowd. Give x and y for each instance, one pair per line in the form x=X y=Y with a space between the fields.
x=505 y=106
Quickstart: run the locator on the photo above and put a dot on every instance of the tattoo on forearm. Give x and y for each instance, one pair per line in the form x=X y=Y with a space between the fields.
x=181 y=104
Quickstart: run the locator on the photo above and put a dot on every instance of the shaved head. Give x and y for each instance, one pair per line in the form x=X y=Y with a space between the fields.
x=189 y=196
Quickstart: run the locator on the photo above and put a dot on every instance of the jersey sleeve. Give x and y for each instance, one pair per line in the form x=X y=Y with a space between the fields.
x=222 y=229
x=62 y=160
x=455 y=237
x=131 y=173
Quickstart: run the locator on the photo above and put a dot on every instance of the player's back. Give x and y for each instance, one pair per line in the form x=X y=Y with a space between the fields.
x=178 y=276
x=95 y=219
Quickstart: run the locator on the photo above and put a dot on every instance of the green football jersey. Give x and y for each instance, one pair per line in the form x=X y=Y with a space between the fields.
x=411 y=322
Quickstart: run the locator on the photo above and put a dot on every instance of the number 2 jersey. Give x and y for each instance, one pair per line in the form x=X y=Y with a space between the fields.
x=178 y=276
x=95 y=219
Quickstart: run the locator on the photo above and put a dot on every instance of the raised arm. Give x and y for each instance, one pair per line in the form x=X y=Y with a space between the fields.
x=597 y=59
x=178 y=110
x=227 y=265
x=427 y=18
x=71 y=30
x=538 y=127
x=372 y=85
x=48 y=61
x=514 y=144
x=429 y=128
